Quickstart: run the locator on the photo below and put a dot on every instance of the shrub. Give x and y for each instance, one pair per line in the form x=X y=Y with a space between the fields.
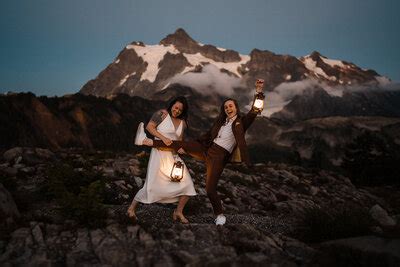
x=372 y=160
x=318 y=224
x=80 y=195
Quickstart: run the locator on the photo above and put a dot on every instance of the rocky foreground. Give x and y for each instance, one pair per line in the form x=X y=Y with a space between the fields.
x=68 y=208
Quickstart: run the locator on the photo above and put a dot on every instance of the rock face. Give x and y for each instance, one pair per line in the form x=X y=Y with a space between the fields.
x=262 y=205
x=8 y=210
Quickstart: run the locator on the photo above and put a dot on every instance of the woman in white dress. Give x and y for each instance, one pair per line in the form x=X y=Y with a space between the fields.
x=166 y=125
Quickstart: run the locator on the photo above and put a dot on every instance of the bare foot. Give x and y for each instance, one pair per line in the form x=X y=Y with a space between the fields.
x=147 y=142
x=179 y=216
x=132 y=215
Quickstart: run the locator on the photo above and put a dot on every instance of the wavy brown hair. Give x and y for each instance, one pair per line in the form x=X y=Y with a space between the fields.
x=222 y=115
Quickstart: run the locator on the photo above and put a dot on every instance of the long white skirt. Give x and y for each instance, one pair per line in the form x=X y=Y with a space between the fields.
x=158 y=187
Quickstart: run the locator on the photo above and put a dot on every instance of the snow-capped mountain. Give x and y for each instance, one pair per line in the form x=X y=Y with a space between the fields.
x=144 y=70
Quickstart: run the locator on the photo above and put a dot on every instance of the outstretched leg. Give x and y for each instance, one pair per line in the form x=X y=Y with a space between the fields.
x=193 y=148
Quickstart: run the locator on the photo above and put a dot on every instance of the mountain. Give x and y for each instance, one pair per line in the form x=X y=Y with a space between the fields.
x=316 y=108
x=318 y=103
x=79 y=121
x=143 y=70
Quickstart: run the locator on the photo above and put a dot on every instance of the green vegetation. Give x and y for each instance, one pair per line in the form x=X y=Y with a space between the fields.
x=80 y=195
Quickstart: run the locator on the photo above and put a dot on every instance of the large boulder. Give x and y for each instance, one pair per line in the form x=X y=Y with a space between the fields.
x=361 y=251
x=8 y=209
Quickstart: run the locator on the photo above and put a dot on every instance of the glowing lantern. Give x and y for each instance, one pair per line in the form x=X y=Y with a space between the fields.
x=258 y=103
x=177 y=171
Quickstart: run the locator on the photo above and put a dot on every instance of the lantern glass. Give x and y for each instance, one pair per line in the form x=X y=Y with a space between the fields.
x=177 y=171
x=258 y=103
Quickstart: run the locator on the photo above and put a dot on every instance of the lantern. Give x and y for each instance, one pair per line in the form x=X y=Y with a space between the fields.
x=177 y=171
x=258 y=103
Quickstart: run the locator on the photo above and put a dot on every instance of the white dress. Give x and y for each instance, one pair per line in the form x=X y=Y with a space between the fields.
x=158 y=187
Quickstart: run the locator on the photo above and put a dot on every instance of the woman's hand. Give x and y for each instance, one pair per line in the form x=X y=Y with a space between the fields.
x=259 y=85
x=167 y=141
x=181 y=151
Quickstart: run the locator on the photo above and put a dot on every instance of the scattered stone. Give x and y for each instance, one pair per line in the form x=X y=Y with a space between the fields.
x=381 y=216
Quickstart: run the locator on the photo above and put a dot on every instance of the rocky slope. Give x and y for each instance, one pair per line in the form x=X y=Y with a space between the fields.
x=264 y=206
x=75 y=121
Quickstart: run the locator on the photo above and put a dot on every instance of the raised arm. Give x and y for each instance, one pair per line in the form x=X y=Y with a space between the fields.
x=252 y=114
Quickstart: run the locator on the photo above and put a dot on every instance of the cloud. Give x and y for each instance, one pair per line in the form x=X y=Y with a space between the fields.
x=285 y=92
x=208 y=81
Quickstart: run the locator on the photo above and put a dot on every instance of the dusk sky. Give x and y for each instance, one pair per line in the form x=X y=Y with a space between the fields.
x=52 y=47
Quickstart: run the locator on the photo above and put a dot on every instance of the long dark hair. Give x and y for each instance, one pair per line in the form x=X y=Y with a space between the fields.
x=222 y=115
x=184 y=114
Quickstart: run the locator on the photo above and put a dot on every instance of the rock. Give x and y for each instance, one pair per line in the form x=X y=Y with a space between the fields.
x=112 y=252
x=361 y=251
x=138 y=181
x=18 y=160
x=381 y=216
x=37 y=235
x=108 y=171
x=31 y=158
x=28 y=170
x=13 y=153
x=44 y=153
x=8 y=209
x=314 y=190
x=134 y=170
x=18 y=247
x=132 y=231
x=10 y=171
x=121 y=166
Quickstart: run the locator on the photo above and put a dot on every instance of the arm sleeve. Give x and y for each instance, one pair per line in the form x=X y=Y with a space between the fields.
x=249 y=118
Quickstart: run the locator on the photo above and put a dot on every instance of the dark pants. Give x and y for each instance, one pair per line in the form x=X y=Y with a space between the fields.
x=215 y=158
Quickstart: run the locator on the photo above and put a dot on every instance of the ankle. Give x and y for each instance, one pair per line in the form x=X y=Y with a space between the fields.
x=177 y=212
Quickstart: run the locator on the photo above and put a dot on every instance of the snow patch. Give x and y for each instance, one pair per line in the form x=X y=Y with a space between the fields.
x=126 y=78
x=166 y=86
x=152 y=54
x=311 y=65
x=199 y=59
x=333 y=62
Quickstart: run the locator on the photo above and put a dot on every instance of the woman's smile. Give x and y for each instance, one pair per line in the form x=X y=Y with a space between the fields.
x=230 y=109
x=176 y=109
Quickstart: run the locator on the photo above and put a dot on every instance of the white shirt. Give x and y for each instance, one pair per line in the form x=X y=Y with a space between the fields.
x=225 y=137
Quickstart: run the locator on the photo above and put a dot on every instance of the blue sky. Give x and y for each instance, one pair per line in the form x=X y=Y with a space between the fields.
x=53 y=47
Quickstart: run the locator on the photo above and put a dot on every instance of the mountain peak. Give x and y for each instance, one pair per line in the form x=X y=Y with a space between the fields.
x=179 y=39
x=315 y=55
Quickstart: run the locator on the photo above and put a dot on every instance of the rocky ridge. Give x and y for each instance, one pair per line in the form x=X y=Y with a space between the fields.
x=143 y=70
